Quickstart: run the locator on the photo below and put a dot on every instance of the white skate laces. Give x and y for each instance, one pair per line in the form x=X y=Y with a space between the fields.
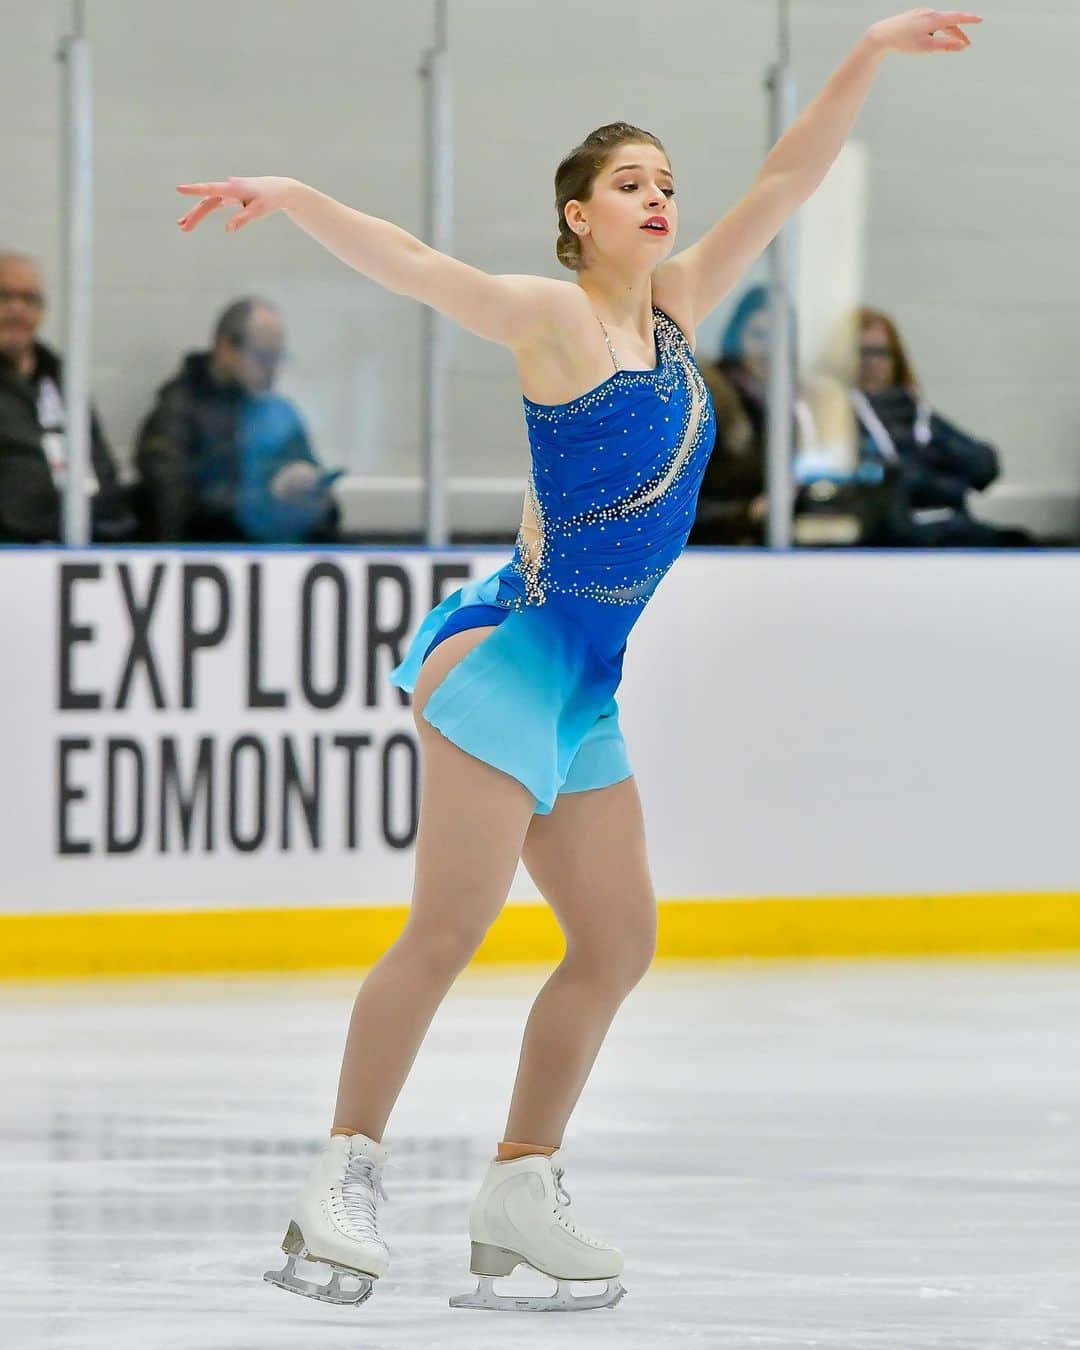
x=562 y=1195
x=359 y=1187
x=335 y=1223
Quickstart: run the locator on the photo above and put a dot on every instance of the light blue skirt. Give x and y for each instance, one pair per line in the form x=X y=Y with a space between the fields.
x=535 y=698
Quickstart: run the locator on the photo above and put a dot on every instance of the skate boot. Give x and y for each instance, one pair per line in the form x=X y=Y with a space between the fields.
x=335 y=1222
x=523 y=1216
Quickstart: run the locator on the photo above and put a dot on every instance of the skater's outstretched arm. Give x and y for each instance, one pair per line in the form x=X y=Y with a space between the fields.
x=510 y=309
x=704 y=273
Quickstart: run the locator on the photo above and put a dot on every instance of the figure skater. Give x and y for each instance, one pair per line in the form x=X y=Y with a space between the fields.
x=513 y=677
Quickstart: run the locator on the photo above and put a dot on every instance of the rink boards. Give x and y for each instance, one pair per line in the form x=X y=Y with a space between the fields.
x=207 y=769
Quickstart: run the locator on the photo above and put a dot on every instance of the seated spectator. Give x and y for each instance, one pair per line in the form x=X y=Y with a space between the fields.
x=33 y=455
x=732 y=507
x=221 y=456
x=932 y=464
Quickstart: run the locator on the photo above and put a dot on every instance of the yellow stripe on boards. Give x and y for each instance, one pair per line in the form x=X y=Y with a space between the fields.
x=167 y=941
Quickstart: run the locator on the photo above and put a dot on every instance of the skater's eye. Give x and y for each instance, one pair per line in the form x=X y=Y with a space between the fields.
x=668 y=192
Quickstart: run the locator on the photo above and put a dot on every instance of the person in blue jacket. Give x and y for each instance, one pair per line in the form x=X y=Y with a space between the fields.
x=222 y=457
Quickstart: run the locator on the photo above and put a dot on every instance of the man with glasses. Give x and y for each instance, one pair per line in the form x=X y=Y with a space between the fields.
x=33 y=453
x=224 y=458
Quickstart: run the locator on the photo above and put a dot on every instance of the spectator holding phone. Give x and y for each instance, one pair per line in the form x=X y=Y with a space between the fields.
x=223 y=457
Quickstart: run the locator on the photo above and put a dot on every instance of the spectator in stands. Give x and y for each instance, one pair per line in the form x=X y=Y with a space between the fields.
x=33 y=455
x=222 y=457
x=932 y=464
x=732 y=507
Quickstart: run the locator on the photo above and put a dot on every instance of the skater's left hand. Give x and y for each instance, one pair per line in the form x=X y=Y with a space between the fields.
x=924 y=30
x=258 y=197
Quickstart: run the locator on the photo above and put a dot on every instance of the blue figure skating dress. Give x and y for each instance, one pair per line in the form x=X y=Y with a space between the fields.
x=610 y=500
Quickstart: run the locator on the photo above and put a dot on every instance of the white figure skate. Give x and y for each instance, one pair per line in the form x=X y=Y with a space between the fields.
x=335 y=1222
x=523 y=1216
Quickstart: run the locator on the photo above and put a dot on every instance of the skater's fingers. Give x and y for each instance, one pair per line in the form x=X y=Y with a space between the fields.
x=947 y=17
x=226 y=189
x=199 y=212
x=951 y=41
x=241 y=219
x=252 y=211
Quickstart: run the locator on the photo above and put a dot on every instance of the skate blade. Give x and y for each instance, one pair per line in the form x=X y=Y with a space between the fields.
x=331 y=1291
x=563 y=1300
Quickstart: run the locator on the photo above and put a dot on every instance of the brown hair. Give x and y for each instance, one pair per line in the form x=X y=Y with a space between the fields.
x=576 y=176
x=839 y=356
x=904 y=373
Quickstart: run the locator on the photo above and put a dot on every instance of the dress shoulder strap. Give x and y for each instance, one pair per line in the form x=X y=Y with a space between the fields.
x=611 y=349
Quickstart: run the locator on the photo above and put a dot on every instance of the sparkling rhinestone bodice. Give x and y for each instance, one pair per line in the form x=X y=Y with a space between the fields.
x=612 y=489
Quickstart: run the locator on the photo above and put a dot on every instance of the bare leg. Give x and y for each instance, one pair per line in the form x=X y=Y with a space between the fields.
x=588 y=860
x=473 y=820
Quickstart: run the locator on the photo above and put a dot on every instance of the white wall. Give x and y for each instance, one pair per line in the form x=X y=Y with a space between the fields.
x=972 y=194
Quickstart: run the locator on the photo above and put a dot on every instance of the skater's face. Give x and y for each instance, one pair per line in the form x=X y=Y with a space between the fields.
x=877 y=362
x=22 y=304
x=634 y=186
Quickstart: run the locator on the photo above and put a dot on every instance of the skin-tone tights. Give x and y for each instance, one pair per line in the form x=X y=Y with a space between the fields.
x=587 y=858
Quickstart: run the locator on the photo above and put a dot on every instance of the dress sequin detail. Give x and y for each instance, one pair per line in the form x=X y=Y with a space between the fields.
x=531 y=545
x=614 y=478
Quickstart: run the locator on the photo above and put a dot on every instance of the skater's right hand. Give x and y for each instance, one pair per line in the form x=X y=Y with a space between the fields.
x=257 y=196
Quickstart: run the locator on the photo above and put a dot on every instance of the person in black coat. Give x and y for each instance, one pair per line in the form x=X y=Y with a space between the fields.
x=33 y=465
x=932 y=465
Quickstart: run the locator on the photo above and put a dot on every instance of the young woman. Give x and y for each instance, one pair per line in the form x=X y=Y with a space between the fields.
x=931 y=465
x=513 y=677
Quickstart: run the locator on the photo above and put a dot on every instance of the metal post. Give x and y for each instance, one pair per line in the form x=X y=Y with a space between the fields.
x=438 y=230
x=76 y=208
x=782 y=356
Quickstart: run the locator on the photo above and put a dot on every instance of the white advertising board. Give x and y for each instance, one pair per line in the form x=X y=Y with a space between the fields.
x=187 y=728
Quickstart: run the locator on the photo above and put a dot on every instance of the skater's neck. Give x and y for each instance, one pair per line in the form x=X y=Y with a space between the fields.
x=624 y=300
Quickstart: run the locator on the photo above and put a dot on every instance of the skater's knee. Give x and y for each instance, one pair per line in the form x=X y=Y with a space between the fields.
x=445 y=949
x=632 y=958
x=622 y=959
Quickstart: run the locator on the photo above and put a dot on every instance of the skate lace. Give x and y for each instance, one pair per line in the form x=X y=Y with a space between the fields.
x=358 y=1188
x=562 y=1195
